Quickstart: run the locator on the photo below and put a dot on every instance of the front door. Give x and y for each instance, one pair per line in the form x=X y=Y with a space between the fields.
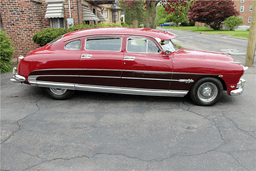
x=144 y=65
x=101 y=61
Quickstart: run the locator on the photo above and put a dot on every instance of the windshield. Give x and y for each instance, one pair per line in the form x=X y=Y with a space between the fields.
x=168 y=45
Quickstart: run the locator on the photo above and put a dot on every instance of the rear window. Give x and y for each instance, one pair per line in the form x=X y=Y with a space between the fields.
x=103 y=43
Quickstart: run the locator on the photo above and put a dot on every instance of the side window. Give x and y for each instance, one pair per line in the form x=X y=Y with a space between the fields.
x=138 y=44
x=73 y=45
x=103 y=43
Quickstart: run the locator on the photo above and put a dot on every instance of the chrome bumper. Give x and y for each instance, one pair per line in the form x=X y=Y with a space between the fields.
x=240 y=88
x=16 y=78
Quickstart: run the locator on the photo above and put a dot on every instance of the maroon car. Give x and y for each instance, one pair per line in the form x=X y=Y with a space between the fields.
x=129 y=61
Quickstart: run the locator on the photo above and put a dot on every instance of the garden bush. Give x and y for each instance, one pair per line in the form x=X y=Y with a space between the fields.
x=233 y=22
x=46 y=35
x=6 y=51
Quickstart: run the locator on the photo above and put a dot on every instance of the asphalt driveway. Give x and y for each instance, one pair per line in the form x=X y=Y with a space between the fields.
x=99 y=131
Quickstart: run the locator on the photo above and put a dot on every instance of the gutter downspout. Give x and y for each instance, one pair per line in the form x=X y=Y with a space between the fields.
x=69 y=8
x=78 y=12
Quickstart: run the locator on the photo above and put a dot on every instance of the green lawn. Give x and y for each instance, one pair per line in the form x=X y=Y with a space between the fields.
x=202 y=29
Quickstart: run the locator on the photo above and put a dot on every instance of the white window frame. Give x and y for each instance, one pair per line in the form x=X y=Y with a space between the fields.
x=250 y=8
x=58 y=22
x=249 y=19
x=241 y=8
x=242 y=1
x=105 y=13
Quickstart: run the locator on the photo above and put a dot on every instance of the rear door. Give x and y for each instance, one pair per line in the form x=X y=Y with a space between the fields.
x=101 y=60
x=145 y=66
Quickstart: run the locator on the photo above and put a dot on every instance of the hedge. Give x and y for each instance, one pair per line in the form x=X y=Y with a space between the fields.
x=6 y=51
x=47 y=35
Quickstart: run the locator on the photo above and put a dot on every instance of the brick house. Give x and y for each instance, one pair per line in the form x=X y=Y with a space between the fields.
x=244 y=7
x=21 y=19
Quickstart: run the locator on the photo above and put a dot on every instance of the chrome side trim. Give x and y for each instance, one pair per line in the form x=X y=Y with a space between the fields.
x=32 y=78
x=133 y=91
x=50 y=84
x=140 y=71
x=129 y=58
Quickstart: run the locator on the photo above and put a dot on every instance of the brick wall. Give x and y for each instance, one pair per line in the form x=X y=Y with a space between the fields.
x=247 y=13
x=21 y=19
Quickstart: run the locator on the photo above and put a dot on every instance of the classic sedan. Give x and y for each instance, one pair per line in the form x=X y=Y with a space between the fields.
x=129 y=61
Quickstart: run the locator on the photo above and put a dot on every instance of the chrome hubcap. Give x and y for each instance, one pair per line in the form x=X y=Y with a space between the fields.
x=58 y=91
x=207 y=92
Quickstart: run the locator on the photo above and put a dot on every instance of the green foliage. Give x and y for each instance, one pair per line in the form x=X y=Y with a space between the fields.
x=248 y=29
x=181 y=15
x=134 y=11
x=125 y=24
x=6 y=51
x=135 y=23
x=233 y=22
x=161 y=15
x=46 y=35
x=161 y=21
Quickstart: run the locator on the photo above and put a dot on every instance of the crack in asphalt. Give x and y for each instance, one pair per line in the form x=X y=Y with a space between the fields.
x=240 y=129
x=236 y=160
x=18 y=122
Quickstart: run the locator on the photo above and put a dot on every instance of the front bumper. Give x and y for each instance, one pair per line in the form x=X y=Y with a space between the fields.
x=16 y=78
x=240 y=88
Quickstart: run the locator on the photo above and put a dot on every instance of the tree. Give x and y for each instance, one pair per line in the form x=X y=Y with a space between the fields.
x=180 y=15
x=161 y=14
x=150 y=8
x=233 y=22
x=213 y=13
x=134 y=11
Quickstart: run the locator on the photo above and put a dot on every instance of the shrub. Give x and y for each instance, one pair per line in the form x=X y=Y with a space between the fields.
x=46 y=35
x=6 y=52
x=248 y=29
x=233 y=22
x=161 y=21
x=191 y=23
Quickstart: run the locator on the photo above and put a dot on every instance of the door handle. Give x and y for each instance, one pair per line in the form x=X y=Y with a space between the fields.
x=86 y=56
x=129 y=58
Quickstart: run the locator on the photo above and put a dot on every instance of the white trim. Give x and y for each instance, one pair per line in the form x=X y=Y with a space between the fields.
x=250 y=19
x=250 y=9
x=241 y=8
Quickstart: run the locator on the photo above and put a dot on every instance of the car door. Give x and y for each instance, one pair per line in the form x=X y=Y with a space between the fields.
x=101 y=61
x=145 y=66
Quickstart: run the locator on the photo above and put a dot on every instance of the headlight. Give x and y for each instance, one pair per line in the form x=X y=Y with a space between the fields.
x=240 y=84
x=20 y=58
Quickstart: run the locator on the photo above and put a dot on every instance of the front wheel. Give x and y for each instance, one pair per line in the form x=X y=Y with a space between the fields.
x=59 y=93
x=206 y=91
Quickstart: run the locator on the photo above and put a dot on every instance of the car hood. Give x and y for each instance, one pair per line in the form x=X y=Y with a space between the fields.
x=203 y=55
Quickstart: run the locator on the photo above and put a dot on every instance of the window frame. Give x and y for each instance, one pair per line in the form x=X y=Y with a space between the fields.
x=73 y=41
x=147 y=38
x=249 y=19
x=242 y=1
x=241 y=7
x=121 y=42
x=250 y=9
x=59 y=20
x=106 y=13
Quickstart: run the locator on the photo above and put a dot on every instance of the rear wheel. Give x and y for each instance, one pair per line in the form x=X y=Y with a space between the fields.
x=206 y=91
x=59 y=93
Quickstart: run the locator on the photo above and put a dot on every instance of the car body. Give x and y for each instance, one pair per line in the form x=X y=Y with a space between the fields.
x=129 y=61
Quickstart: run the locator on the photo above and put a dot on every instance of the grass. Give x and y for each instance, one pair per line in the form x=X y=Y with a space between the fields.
x=202 y=29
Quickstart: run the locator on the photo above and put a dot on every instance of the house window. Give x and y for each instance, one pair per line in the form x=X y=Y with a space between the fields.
x=242 y=9
x=249 y=19
x=115 y=16
x=251 y=8
x=87 y=22
x=242 y=1
x=57 y=22
x=105 y=14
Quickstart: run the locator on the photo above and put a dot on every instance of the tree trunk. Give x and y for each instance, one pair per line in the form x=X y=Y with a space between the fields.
x=252 y=39
x=150 y=20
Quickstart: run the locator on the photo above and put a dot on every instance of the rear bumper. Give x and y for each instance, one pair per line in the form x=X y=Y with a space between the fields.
x=240 y=88
x=16 y=78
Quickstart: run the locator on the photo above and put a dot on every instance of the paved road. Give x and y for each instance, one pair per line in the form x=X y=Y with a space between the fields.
x=237 y=47
x=100 y=131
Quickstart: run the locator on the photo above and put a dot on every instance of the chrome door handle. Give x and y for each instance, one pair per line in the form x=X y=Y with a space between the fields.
x=129 y=58
x=86 y=56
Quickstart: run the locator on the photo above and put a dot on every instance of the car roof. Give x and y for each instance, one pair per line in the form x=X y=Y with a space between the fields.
x=120 y=30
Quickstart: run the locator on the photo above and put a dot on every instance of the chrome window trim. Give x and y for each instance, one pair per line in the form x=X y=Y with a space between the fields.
x=73 y=41
x=121 y=38
x=143 y=37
